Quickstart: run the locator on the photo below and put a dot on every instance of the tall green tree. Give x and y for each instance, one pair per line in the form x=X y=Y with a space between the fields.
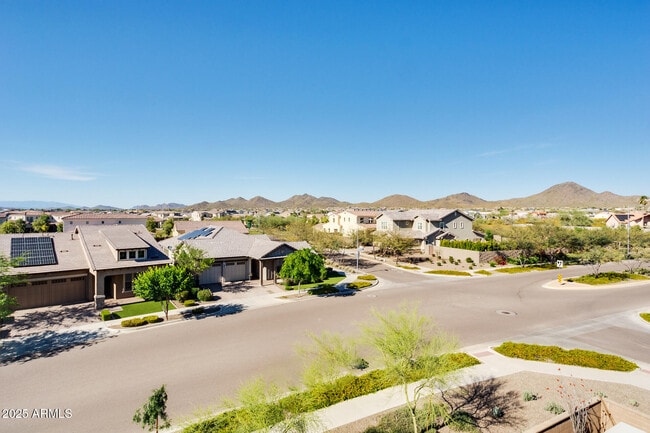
x=13 y=226
x=408 y=344
x=151 y=224
x=41 y=224
x=303 y=266
x=153 y=414
x=162 y=284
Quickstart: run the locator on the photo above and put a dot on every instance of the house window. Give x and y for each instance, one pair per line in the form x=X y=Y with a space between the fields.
x=462 y=225
x=455 y=225
x=419 y=226
x=122 y=255
x=131 y=254
x=59 y=281
x=141 y=254
x=128 y=283
x=384 y=225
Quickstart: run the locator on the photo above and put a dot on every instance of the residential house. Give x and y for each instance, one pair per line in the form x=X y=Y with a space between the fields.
x=89 y=263
x=71 y=222
x=427 y=226
x=183 y=227
x=237 y=256
x=640 y=219
x=350 y=222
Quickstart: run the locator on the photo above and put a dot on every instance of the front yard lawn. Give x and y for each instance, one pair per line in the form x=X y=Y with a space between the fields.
x=139 y=308
x=332 y=280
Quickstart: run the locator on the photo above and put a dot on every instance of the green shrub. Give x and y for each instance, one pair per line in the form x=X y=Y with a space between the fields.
x=358 y=285
x=493 y=263
x=645 y=316
x=484 y=272
x=530 y=396
x=450 y=272
x=554 y=408
x=367 y=277
x=106 y=315
x=132 y=323
x=189 y=303
x=204 y=295
x=579 y=357
x=469 y=260
x=608 y=278
x=194 y=292
x=152 y=319
x=183 y=296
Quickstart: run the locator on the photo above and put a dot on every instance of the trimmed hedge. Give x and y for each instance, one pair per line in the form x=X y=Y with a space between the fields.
x=579 y=357
x=450 y=272
x=357 y=285
x=367 y=277
x=106 y=315
x=189 y=303
x=140 y=321
x=204 y=295
x=325 y=395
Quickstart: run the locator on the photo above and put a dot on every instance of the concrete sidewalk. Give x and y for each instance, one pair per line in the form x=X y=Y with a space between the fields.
x=493 y=365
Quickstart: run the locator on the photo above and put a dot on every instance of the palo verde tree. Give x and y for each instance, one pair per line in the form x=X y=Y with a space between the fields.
x=162 y=284
x=259 y=407
x=303 y=266
x=153 y=414
x=408 y=345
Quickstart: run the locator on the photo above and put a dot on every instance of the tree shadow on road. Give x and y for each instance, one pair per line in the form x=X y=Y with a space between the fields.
x=213 y=311
x=28 y=322
x=48 y=344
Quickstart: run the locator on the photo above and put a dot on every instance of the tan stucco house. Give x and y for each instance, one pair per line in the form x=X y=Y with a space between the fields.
x=237 y=256
x=89 y=263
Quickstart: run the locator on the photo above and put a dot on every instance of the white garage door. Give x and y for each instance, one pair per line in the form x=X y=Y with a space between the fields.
x=234 y=271
x=212 y=275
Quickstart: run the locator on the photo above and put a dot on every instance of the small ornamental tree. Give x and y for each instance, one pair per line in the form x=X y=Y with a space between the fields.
x=191 y=258
x=162 y=284
x=153 y=414
x=303 y=266
x=41 y=224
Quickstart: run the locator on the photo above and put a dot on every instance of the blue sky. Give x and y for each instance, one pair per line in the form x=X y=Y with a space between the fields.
x=143 y=102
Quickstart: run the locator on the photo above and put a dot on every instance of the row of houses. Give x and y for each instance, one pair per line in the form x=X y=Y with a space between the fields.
x=97 y=261
x=424 y=226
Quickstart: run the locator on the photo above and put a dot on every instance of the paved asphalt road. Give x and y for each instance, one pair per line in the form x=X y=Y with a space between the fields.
x=203 y=360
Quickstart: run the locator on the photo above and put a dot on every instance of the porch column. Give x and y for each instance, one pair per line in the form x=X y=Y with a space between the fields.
x=99 y=291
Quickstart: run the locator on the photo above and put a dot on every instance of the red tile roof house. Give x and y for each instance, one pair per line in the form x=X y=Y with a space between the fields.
x=89 y=263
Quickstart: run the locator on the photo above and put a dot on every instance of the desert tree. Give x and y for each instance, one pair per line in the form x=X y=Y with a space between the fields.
x=259 y=407
x=153 y=414
x=303 y=266
x=409 y=346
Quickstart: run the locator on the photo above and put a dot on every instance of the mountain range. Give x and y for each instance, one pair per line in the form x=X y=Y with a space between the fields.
x=563 y=195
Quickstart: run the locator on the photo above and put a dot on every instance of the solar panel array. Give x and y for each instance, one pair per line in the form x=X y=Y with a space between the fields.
x=202 y=232
x=33 y=251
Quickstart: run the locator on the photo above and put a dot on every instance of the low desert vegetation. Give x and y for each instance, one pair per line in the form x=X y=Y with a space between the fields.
x=607 y=278
x=558 y=355
x=645 y=316
x=450 y=272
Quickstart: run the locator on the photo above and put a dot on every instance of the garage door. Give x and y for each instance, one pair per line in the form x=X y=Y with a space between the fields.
x=51 y=292
x=212 y=275
x=235 y=271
